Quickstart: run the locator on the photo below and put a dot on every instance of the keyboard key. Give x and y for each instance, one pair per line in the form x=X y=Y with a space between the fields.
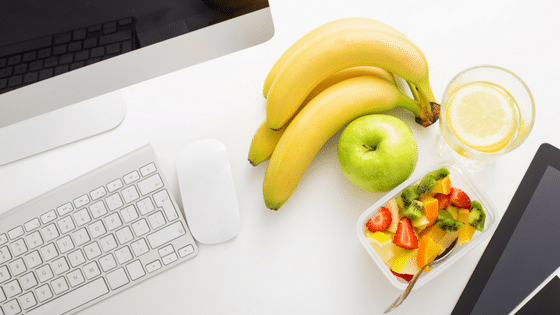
x=129 y=214
x=62 y=38
x=148 y=169
x=98 y=209
x=27 y=300
x=50 y=62
x=31 y=77
x=30 y=56
x=187 y=250
x=43 y=293
x=33 y=259
x=12 y=288
x=61 y=69
x=50 y=232
x=156 y=220
x=107 y=262
x=97 y=52
x=91 y=270
x=135 y=270
x=14 y=60
x=153 y=266
x=92 y=250
x=3 y=238
x=140 y=227
x=59 y=285
x=44 y=53
x=45 y=74
x=81 y=55
x=49 y=252
x=17 y=267
x=169 y=258
x=130 y=194
x=166 y=234
x=114 y=185
x=81 y=201
x=64 y=209
x=116 y=37
x=36 y=65
x=6 y=72
x=110 y=27
x=163 y=201
x=20 y=69
x=145 y=206
x=76 y=258
x=113 y=221
x=15 y=81
x=108 y=243
x=166 y=250
x=114 y=202
x=76 y=277
x=44 y=273
x=4 y=275
x=34 y=240
x=124 y=235
x=117 y=278
x=66 y=224
x=74 y=298
x=81 y=237
x=96 y=229
x=131 y=177
x=77 y=65
x=12 y=307
x=79 y=34
x=3 y=62
x=48 y=217
x=18 y=247
x=5 y=254
x=123 y=255
x=28 y=281
x=15 y=232
x=60 y=265
x=98 y=193
x=65 y=244
x=82 y=217
x=139 y=247
x=150 y=184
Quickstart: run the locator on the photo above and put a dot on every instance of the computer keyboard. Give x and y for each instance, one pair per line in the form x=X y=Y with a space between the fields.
x=91 y=238
x=35 y=60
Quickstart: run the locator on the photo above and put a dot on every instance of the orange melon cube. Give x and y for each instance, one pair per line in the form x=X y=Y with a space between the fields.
x=433 y=232
x=442 y=186
x=465 y=234
x=431 y=207
x=427 y=251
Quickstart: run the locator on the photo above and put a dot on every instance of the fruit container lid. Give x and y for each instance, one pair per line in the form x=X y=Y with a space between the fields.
x=459 y=179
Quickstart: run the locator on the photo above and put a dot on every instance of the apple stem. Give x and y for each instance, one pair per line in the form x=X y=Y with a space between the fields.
x=368 y=147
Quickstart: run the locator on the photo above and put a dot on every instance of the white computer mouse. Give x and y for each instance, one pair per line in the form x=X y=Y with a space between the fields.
x=208 y=192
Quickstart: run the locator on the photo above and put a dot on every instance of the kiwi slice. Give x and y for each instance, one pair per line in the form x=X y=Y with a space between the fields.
x=446 y=222
x=413 y=210
x=439 y=174
x=409 y=194
x=477 y=216
x=426 y=184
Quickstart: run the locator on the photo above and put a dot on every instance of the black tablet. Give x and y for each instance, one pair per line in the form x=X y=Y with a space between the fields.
x=525 y=248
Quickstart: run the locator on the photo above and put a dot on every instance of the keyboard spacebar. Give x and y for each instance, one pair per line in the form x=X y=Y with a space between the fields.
x=73 y=299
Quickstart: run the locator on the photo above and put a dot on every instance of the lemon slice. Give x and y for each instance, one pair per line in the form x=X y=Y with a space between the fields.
x=481 y=116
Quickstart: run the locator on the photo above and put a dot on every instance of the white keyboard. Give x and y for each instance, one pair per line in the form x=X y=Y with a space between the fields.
x=91 y=238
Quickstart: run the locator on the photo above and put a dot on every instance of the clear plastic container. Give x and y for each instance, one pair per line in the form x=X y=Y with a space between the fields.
x=459 y=179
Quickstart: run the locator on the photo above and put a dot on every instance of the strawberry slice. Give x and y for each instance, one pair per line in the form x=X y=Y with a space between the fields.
x=443 y=200
x=380 y=221
x=459 y=198
x=406 y=277
x=405 y=236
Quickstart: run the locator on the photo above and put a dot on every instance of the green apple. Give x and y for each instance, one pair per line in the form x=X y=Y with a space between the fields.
x=377 y=152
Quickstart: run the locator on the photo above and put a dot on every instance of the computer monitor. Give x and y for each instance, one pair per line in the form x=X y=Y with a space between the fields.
x=166 y=36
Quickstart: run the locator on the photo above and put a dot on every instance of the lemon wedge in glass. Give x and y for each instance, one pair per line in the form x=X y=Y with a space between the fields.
x=482 y=116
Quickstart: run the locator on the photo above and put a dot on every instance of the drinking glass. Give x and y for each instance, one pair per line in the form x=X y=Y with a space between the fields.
x=481 y=88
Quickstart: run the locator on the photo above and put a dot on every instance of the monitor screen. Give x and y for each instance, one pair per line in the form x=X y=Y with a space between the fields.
x=65 y=51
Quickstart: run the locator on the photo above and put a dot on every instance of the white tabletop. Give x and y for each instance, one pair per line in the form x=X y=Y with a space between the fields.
x=305 y=258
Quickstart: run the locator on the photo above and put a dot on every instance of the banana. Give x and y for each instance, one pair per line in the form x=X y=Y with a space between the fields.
x=325 y=28
x=344 y=48
x=319 y=120
x=265 y=139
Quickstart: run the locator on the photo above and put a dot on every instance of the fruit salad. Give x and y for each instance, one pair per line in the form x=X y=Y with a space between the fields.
x=416 y=225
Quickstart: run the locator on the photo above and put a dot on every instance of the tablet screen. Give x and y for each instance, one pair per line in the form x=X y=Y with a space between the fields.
x=525 y=249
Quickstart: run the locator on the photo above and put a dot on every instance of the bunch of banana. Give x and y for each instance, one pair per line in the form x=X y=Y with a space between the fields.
x=336 y=73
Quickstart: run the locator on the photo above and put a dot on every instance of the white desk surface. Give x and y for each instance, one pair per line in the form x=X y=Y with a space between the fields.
x=306 y=258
